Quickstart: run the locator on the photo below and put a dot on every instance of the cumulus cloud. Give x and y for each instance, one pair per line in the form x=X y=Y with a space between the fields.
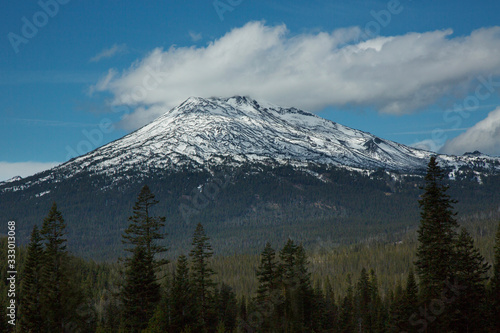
x=109 y=53
x=395 y=74
x=9 y=170
x=484 y=136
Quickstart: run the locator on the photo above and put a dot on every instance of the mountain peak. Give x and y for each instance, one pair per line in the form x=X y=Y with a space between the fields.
x=204 y=132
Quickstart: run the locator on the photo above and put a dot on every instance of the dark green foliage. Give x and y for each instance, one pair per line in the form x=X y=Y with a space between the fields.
x=254 y=202
x=267 y=274
x=226 y=307
x=495 y=282
x=61 y=298
x=347 y=321
x=146 y=230
x=404 y=305
x=436 y=235
x=268 y=296
x=141 y=292
x=284 y=300
x=470 y=271
x=183 y=307
x=32 y=289
x=369 y=310
x=296 y=286
x=201 y=278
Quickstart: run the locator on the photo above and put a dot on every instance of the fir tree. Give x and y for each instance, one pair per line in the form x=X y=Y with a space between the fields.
x=495 y=283
x=183 y=310
x=331 y=310
x=267 y=274
x=410 y=301
x=398 y=319
x=471 y=271
x=226 y=308
x=437 y=237
x=201 y=277
x=30 y=306
x=436 y=234
x=292 y=285
x=346 y=318
x=145 y=229
x=363 y=299
x=268 y=295
x=377 y=309
x=54 y=273
x=141 y=292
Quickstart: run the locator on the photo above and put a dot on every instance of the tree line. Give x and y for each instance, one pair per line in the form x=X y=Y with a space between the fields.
x=449 y=287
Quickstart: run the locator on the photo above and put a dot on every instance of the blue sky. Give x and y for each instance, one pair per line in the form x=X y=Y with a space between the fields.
x=422 y=73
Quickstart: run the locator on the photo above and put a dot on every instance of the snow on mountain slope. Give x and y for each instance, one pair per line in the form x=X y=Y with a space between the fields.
x=208 y=131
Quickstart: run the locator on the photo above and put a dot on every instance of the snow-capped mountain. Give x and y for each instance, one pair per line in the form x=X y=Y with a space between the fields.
x=257 y=167
x=209 y=131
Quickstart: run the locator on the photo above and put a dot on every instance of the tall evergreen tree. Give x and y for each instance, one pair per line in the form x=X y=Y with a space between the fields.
x=268 y=295
x=437 y=237
x=363 y=299
x=471 y=270
x=140 y=293
x=31 y=319
x=226 y=308
x=144 y=229
x=495 y=283
x=267 y=274
x=289 y=283
x=183 y=309
x=436 y=234
x=347 y=322
x=201 y=277
x=57 y=290
x=397 y=317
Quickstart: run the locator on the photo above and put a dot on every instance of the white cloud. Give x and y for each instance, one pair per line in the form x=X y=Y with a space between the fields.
x=427 y=144
x=195 y=36
x=484 y=136
x=110 y=52
x=9 y=170
x=396 y=75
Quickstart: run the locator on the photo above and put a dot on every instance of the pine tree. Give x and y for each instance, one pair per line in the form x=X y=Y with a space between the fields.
x=268 y=296
x=346 y=319
x=437 y=237
x=495 y=283
x=201 y=277
x=398 y=319
x=410 y=301
x=378 y=309
x=363 y=299
x=331 y=314
x=140 y=293
x=404 y=305
x=436 y=234
x=471 y=272
x=30 y=306
x=183 y=310
x=292 y=308
x=226 y=308
x=54 y=275
x=305 y=290
x=145 y=229
x=267 y=274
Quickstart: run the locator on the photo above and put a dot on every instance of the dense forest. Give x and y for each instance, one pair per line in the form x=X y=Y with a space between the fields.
x=240 y=207
x=437 y=278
